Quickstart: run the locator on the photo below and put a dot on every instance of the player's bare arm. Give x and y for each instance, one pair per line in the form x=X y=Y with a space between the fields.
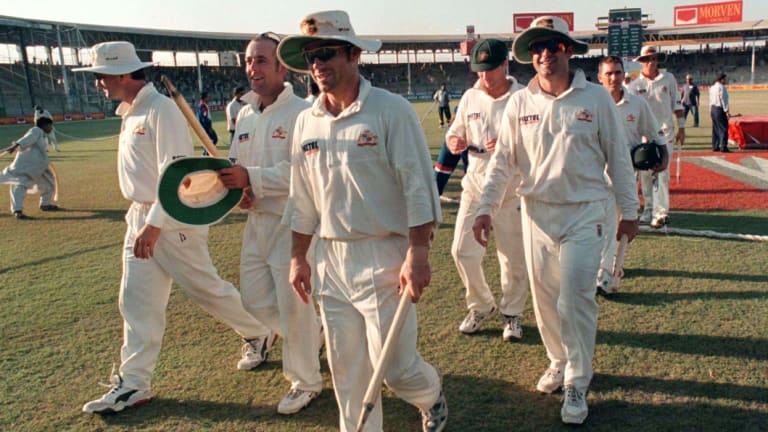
x=416 y=272
x=300 y=274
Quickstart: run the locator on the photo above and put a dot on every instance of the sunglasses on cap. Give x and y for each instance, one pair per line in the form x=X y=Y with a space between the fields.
x=552 y=45
x=323 y=53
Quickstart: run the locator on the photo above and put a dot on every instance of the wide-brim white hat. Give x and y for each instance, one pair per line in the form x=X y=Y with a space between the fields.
x=545 y=27
x=647 y=51
x=327 y=25
x=114 y=58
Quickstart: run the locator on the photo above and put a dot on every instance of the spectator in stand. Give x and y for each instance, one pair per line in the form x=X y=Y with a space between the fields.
x=204 y=117
x=442 y=99
x=689 y=94
x=233 y=107
x=718 y=110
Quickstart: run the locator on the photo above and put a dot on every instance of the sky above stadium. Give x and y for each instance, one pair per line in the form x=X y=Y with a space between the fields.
x=375 y=17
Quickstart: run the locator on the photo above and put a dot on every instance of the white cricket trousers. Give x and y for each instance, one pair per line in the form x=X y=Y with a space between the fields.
x=268 y=296
x=181 y=256
x=468 y=253
x=19 y=194
x=358 y=299
x=610 y=245
x=656 y=196
x=562 y=251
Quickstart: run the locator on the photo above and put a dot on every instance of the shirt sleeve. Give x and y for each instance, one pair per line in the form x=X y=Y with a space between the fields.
x=29 y=139
x=502 y=164
x=459 y=126
x=172 y=141
x=677 y=104
x=613 y=143
x=301 y=210
x=409 y=155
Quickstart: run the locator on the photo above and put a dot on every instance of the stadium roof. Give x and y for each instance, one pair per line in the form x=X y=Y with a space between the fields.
x=22 y=31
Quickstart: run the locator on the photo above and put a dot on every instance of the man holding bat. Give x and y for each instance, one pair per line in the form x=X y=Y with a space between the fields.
x=262 y=152
x=560 y=134
x=157 y=250
x=361 y=180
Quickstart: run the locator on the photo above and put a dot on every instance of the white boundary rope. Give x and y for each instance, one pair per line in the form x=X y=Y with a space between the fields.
x=704 y=233
x=72 y=137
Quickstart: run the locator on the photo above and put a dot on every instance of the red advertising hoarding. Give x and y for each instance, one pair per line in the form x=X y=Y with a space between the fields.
x=709 y=13
x=523 y=21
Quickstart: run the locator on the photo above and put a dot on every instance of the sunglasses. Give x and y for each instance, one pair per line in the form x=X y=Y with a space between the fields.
x=552 y=45
x=323 y=53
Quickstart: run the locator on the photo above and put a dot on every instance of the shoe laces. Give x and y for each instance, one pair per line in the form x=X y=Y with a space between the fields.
x=513 y=321
x=574 y=397
x=436 y=414
x=253 y=346
x=115 y=381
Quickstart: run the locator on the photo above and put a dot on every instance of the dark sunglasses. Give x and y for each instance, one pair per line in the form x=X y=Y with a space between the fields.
x=323 y=53
x=552 y=45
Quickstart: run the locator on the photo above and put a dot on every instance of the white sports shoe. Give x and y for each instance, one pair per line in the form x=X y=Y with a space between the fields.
x=604 y=282
x=513 y=330
x=550 y=381
x=474 y=320
x=646 y=216
x=436 y=418
x=448 y=200
x=296 y=400
x=117 y=398
x=574 y=410
x=255 y=351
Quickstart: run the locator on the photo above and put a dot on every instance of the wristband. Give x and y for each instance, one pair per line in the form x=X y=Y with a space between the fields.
x=681 y=122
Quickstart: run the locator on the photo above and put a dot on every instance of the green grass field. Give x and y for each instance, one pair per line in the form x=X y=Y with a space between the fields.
x=682 y=347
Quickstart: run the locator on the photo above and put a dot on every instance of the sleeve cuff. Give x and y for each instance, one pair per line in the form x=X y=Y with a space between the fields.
x=257 y=186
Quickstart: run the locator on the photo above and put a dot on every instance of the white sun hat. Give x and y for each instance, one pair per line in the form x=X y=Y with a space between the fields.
x=114 y=58
x=327 y=25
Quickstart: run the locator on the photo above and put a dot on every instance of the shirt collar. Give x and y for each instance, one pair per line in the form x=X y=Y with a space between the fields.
x=254 y=100
x=126 y=108
x=579 y=82
x=318 y=107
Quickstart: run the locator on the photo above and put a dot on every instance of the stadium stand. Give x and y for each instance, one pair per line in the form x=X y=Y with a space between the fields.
x=724 y=48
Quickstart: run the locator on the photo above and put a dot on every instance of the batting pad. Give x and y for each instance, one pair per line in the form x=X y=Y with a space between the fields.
x=190 y=191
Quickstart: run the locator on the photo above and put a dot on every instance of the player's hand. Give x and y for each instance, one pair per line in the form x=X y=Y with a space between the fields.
x=482 y=228
x=627 y=228
x=490 y=146
x=680 y=137
x=248 y=200
x=300 y=277
x=456 y=145
x=235 y=177
x=144 y=246
x=415 y=273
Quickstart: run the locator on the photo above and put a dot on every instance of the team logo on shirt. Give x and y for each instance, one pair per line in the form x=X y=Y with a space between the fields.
x=279 y=133
x=529 y=119
x=367 y=139
x=139 y=130
x=473 y=116
x=631 y=118
x=243 y=137
x=584 y=116
x=642 y=91
x=310 y=147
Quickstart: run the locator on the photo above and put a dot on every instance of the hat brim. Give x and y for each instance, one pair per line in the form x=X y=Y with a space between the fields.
x=484 y=67
x=114 y=70
x=662 y=57
x=168 y=191
x=520 y=45
x=289 y=49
